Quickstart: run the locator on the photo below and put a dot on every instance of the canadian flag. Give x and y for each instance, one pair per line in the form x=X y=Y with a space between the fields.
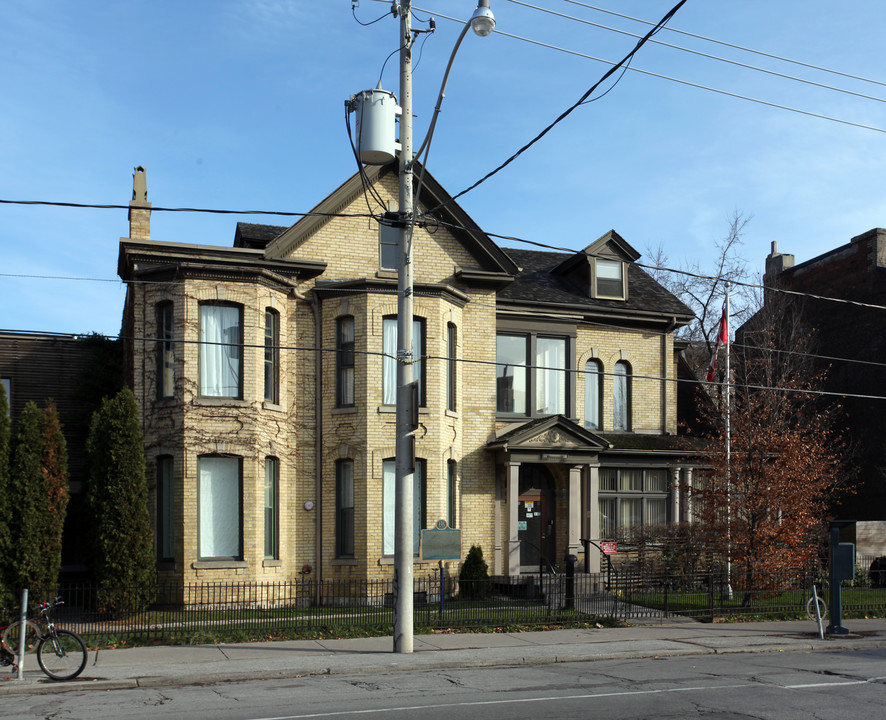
x=722 y=339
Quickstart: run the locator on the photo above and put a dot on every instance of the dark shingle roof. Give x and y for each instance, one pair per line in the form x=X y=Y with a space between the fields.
x=255 y=236
x=535 y=283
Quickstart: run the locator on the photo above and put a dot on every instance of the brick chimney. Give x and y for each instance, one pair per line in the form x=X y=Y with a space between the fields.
x=139 y=208
x=776 y=263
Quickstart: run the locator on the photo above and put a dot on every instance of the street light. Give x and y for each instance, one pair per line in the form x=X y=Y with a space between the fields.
x=482 y=22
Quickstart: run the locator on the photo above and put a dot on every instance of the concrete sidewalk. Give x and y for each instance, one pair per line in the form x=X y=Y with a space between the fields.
x=200 y=664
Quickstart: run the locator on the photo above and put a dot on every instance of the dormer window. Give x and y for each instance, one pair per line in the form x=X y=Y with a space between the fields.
x=609 y=279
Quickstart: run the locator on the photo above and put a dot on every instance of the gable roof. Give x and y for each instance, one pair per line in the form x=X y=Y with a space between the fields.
x=491 y=259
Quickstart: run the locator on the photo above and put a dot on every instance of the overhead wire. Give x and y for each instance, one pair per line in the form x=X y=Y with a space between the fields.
x=667 y=16
x=699 y=53
x=734 y=46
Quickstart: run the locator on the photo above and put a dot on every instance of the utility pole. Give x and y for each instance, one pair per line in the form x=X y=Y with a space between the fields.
x=403 y=496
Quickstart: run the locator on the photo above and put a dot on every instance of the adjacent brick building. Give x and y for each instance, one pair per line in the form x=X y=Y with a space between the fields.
x=850 y=340
x=264 y=376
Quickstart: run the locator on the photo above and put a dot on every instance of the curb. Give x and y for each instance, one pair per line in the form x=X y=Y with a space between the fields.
x=440 y=662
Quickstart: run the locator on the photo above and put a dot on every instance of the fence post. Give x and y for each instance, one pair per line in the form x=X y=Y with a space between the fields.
x=711 y=592
x=22 y=633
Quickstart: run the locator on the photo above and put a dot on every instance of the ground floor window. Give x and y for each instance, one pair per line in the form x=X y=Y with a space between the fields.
x=165 y=510
x=630 y=497
x=419 y=510
x=220 y=506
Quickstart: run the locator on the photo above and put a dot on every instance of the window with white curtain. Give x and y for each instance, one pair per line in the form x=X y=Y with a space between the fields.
x=546 y=379
x=389 y=360
x=621 y=396
x=550 y=376
x=593 y=394
x=221 y=350
x=609 y=278
x=629 y=497
x=418 y=504
x=219 y=500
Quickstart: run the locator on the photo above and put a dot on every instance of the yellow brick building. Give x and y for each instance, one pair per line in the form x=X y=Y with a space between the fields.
x=264 y=376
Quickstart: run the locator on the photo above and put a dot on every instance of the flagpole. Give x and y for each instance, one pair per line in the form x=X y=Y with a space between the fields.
x=728 y=453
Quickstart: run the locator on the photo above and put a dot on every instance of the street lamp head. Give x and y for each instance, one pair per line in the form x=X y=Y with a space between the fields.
x=483 y=21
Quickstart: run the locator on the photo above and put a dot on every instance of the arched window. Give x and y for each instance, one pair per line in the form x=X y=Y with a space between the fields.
x=344 y=347
x=221 y=350
x=389 y=362
x=451 y=366
x=419 y=508
x=272 y=356
x=593 y=394
x=344 y=508
x=165 y=350
x=621 y=396
x=272 y=508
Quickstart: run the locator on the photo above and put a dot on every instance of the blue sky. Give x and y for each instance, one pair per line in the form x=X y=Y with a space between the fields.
x=239 y=104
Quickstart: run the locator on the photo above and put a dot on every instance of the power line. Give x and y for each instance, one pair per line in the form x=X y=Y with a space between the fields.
x=489 y=363
x=699 y=53
x=731 y=45
x=688 y=83
x=576 y=104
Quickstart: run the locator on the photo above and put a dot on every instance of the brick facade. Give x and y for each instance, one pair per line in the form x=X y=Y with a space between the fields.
x=314 y=273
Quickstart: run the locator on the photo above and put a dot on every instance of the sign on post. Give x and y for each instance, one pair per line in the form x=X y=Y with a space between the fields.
x=440 y=543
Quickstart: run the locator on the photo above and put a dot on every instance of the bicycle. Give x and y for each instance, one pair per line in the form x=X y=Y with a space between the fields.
x=61 y=654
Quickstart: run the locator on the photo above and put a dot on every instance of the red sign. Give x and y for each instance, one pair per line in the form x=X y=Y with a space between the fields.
x=610 y=548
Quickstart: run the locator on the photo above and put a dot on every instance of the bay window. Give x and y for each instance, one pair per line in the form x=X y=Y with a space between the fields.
x=389 y=361
x=221 y=350
x=630 y=497
x=419 y=510
x=220 y=507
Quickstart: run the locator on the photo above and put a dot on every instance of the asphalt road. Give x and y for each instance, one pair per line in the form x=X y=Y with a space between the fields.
x=758 y=686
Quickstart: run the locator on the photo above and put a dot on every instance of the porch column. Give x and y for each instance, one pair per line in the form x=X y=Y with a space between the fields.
x=574 y=530
x=676 y=495
x=512 y=470
x=593 y=562
x=687 y=495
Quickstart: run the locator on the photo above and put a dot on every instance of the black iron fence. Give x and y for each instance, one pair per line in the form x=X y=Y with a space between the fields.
x=232 y=611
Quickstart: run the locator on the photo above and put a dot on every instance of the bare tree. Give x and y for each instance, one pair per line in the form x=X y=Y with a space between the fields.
x=703 y=289
x=765 y=500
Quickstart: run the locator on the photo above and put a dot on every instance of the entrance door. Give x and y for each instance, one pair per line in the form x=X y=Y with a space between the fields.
x=536 y=519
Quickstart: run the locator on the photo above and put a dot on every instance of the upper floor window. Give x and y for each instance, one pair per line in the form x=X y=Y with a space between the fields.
x=344 y=508
x=389 y=361
x=451 y=366
x=545 y=381
x=388 y=242
x=593 y=394
x=219 y=501
x=621 y=396
x=272 y=508
x=419 y=508
x=609 y=278
x=272 y=356
x=165 y=510
x=165 y=350
x=344 y=347
x=221 y=350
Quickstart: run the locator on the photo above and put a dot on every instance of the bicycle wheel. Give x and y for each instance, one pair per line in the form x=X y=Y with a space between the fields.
x=13 y=632
x=62 y=657
x=822 y=608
